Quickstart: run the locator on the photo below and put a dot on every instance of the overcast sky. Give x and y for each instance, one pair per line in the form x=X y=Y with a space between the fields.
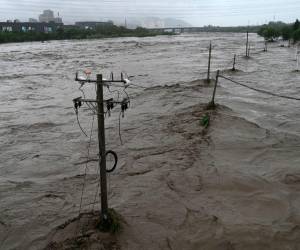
x=196 y=12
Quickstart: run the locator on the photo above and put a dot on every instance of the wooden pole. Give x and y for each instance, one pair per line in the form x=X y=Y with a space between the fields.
x=266 y=46
x=101 y=141
x=234 y=59
x=215 y=89
x=249 y=46
x=247 y=43
x=209 y=61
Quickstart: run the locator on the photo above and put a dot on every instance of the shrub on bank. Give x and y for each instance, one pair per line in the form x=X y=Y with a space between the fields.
x=76 y=33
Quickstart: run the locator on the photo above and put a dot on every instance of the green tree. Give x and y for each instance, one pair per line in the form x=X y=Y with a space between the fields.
x=269 y=33
x=296 y=25
x=286 y=33
x=296 y=36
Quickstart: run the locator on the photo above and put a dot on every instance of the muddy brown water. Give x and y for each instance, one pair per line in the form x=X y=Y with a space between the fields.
x=41 y=144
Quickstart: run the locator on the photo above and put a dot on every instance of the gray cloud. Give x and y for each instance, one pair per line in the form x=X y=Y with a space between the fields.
x=197 y=12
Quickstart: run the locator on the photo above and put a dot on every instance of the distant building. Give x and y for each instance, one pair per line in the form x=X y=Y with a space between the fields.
x=92 y=25
x=48 y=16
x=32 y=20
x=29 y=26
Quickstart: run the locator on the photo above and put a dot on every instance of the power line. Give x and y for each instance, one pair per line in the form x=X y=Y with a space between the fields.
x=85 y=170
x=261 y=90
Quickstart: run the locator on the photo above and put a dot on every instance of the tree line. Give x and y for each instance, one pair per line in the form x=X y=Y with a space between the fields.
x=274 y=30
x=77 y=33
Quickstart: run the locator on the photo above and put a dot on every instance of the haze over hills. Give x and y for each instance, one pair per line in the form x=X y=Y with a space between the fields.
x=155 y=22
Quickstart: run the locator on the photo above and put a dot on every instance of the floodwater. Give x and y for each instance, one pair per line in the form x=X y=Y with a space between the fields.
x=41 y=143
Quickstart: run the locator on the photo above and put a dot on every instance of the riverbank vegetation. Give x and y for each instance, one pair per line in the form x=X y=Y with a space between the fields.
x=77 y=33
x=274 y=30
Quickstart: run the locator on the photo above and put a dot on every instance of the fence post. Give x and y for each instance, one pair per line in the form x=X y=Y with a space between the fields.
x=249 y=47
x=234 y=59
x=209 y=60
x=247 y=43
x=212 y=103
x=266 y=46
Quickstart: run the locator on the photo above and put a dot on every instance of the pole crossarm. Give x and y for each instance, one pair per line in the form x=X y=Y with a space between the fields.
x=111 y=100
x=104 y=81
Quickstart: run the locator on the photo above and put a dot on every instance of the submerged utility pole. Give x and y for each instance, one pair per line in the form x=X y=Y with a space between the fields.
x=209 y=61
x=234 y=60
x=266 y=46
x=102 y=151
x=247 y=42
x=98 y=105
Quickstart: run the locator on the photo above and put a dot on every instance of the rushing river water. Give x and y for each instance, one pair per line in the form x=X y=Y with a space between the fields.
x=39 y=137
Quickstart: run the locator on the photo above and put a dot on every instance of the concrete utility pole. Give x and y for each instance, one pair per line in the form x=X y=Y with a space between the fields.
x=98 y=105
x=234 y=60
x=209 y=61
x=102 y=151
x=247 y=42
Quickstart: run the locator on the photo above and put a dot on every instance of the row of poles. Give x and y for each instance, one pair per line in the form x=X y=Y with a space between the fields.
x=100 y=82
x=247 y=55
x=234 y=58
x=101 y=125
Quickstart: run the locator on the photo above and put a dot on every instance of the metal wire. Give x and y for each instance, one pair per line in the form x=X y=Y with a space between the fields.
x=85 y=172
x=112 y=91
x=82 y=130
x=120 y=136
x=137 y=86
x=128 y=98
x=260 y=90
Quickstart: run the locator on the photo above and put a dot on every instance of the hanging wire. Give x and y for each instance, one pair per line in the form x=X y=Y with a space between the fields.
x=85 y=172
x=260 y=90
x=90 y=106
x=81 y=128
x=128 y=98
x=120 y=136
x=137 y=86
x=112 y=91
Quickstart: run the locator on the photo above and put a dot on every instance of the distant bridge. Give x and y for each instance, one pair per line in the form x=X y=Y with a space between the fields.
x=206 y=29
x=178 y=29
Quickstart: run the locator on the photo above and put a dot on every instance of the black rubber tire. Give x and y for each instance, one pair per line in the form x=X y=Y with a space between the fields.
x=115 y=156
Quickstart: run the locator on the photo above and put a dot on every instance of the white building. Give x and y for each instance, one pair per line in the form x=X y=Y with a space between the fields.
x=32 y=20
x=48 y=16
